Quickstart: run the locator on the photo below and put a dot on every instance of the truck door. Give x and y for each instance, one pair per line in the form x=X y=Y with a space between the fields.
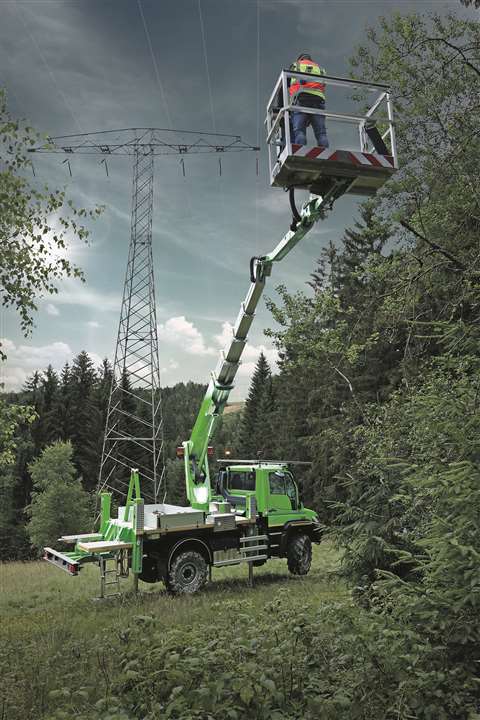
x=283 y=497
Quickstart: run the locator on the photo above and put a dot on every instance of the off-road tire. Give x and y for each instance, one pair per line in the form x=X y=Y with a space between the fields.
x=299 y=554
x=188 y=573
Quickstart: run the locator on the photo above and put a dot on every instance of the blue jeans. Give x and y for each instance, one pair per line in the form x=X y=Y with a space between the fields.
x=300 y=121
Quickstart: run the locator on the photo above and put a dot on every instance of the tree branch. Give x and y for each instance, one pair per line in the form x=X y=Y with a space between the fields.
x=434 y=245
x=458 y=50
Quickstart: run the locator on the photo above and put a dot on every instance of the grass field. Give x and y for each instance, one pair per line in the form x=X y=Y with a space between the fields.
x=52 y=629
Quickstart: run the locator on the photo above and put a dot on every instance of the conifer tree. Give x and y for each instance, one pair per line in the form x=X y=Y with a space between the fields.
x=261 y=385
x=85 y=429
x=60 y=417
x=104 y=387
x=50 y=422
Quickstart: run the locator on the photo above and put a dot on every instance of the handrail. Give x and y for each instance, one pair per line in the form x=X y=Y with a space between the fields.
x=274 y=93
x=376 y=104
x=342 y=117
x=340 y=81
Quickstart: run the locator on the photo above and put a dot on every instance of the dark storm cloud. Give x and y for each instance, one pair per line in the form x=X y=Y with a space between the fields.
x=72 y=65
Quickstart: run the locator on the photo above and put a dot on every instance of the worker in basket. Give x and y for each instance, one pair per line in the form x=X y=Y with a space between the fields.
x=309 y=94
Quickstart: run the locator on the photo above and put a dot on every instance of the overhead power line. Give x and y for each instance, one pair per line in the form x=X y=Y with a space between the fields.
x=47 y=66
x=155 y=66
x=206 y=66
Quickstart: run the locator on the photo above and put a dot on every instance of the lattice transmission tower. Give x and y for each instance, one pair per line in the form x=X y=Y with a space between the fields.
x=134 y=425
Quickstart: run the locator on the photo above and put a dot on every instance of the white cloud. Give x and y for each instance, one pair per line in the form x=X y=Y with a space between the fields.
x=93 y=324
x=225 y=336
x=74 y=292
x=181 y=333
x=23 y=360
x=172 y=365
x=51 y=310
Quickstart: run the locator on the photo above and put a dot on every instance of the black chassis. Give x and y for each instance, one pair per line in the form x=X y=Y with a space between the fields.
x=158 y=553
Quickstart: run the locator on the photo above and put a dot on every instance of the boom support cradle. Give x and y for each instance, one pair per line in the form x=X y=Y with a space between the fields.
x=197 y=475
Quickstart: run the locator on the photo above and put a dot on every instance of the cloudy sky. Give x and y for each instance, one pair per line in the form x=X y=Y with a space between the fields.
x=72 y=66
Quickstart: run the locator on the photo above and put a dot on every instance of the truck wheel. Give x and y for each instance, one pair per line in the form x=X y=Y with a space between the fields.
x=299 y=554
x=188 y=573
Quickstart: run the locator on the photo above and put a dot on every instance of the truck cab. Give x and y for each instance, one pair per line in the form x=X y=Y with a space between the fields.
x=273 y=487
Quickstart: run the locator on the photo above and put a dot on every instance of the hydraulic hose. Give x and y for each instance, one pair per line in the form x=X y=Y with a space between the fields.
x=296 y=215
x=252 y=268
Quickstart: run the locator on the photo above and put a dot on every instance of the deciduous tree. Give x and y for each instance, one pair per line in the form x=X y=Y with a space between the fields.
x=37 y=224
x=59 y=504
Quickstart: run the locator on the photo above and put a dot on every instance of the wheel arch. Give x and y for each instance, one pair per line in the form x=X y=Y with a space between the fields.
x=190 y=544
x=301 y=528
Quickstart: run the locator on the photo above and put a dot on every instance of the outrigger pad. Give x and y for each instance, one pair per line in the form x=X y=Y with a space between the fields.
x=314 y=168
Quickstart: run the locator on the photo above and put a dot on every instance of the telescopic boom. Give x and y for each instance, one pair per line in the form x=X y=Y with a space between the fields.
x=195 y=450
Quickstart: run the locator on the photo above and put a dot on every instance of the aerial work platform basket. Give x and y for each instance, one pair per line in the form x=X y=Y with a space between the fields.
x=367 y=156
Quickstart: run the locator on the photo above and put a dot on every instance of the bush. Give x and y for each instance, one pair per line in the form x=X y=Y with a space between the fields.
x=333 y=661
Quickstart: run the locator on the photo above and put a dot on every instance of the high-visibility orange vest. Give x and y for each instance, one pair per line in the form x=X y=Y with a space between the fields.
x=313 y=88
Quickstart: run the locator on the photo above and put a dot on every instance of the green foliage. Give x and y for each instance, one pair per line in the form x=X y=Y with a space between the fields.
x=85 y=419
x=12 y=534
x=433 y=65
x=32 y=246
x=54 y=640
x=403 y=450
x=13 y=538
x=175 y=473
x=59 y=504
x=280 y=662
x=11 y=416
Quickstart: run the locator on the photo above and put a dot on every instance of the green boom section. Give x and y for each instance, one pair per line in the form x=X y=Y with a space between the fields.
x=197 y=476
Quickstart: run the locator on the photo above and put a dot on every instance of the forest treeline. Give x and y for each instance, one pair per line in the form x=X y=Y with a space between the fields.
x=71 y=406
x=379 y=389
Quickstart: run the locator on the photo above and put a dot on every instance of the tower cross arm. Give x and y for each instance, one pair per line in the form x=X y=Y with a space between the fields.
x=158 y=141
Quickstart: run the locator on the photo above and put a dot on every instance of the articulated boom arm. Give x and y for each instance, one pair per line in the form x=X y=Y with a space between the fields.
x=222 y=381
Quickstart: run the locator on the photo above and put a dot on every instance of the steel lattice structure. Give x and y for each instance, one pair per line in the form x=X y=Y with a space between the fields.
x=128 y=141
x=134 y=427
x=133 y=430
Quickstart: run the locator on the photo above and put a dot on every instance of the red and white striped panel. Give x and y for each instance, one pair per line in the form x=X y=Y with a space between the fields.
x=357 y=158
